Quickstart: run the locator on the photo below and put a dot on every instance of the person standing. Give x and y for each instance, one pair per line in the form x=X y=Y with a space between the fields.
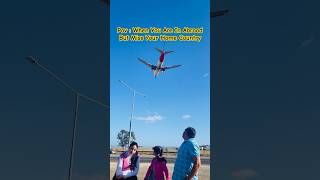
x=158 y=168
x=188 y=161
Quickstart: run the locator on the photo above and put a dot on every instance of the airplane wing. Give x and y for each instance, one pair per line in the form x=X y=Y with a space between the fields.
x=167 y=52
x=160 y=51
x=219 y=13
x=169 y=67
x=145 y=62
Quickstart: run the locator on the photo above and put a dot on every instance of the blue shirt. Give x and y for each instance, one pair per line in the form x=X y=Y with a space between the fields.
x=184 y=162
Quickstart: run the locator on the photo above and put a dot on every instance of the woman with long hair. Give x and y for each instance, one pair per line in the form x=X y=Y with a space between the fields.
x=128 y=164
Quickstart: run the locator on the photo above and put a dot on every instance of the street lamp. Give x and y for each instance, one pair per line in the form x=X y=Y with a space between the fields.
x=134 y=92
x=77 y=94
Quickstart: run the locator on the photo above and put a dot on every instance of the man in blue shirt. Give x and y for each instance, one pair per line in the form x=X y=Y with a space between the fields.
x=188 y=158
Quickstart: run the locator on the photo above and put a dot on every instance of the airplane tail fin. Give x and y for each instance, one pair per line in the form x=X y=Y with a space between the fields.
x=160 y=51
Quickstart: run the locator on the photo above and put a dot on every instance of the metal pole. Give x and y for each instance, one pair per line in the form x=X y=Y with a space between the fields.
x=34 y=61
x=132 y=109
x=78 y=95
x=73 y=135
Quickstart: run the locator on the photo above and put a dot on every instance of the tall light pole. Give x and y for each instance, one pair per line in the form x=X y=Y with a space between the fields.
x=134 y=92
x=78 y=95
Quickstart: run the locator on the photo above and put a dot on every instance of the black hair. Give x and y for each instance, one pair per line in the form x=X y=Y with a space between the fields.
x=191 y=132
x=134 y=143
x=159 y=151
x=134 y=157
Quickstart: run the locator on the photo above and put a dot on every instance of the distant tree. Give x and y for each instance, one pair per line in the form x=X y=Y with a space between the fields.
x=123 y=138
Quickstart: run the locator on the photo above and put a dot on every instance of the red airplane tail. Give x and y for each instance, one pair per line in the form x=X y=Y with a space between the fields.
x=163 y=52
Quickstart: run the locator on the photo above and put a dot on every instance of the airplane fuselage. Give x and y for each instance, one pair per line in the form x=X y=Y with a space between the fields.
x=159 y=65
x=161 y=58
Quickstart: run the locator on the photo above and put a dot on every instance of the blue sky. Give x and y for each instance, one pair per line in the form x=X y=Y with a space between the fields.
x=177 y=98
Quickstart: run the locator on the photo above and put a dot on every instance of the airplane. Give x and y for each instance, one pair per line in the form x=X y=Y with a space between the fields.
x=219 y=13
x=158 y=68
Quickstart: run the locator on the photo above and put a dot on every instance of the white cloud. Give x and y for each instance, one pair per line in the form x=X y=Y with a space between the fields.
x=186 y=116
x=205 y=75
x=149 y=118
x=244 y=174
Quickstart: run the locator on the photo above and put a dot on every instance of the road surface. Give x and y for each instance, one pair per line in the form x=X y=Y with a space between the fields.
x=170 y=159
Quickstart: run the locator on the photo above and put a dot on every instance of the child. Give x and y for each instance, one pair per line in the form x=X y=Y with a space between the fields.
x=158 y=169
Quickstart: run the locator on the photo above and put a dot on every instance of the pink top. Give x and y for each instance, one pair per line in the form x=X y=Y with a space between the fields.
x=125 y=161
x=123 y=166
x=159 y=168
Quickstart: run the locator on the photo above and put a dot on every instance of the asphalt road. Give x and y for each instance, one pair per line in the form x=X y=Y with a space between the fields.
x=171 y=159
